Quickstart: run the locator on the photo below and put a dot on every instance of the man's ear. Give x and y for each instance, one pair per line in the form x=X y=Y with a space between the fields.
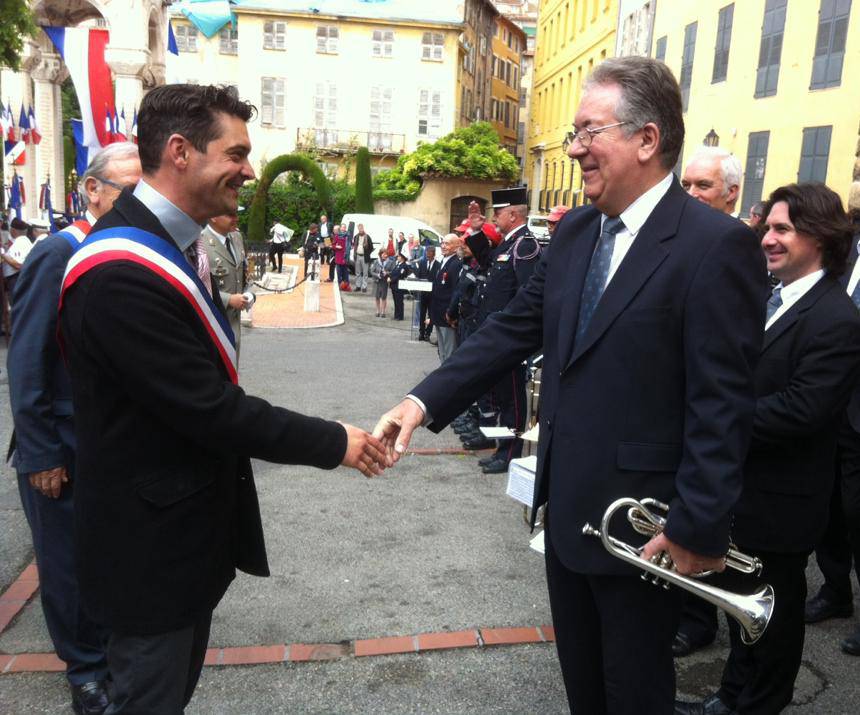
x=732 y=196
x=176 y=151
x=650 y=142
x=91 y=190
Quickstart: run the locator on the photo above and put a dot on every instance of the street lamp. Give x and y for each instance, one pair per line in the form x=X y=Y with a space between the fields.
x=712 y=138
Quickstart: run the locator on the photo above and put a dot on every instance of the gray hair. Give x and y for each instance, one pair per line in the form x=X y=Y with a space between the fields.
x=98 y=166
x=730 y=165
x=649 y=94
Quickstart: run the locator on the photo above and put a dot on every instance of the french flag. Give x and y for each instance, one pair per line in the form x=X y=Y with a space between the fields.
x=134 y=127
x=23 y=127
x=119 y=129
x=10 y=123
x=35 y=134
x=83 y=51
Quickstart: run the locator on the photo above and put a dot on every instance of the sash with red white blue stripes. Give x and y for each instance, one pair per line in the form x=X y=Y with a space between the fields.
x=127 y=243
x=75 y=233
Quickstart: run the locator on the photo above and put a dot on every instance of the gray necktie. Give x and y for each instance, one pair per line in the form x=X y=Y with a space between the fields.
x=229 y=246
x=598 y=272
x=855 y=296
x=773 y=303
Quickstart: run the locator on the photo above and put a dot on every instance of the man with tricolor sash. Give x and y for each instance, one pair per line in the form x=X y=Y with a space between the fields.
x=43 y=450
x=166 y=507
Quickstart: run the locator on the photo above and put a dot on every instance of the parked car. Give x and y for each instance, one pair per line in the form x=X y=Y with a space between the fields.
x=538 y=227
x=377 y=226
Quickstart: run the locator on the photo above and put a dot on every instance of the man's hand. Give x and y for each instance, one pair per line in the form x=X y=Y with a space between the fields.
x=364 y=452
x=396 y=426
x=475 y=217
x=237 y=301
x=686 y=562
x=50 y=482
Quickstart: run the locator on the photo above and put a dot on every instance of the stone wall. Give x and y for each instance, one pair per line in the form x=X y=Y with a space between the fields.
x=433 y=205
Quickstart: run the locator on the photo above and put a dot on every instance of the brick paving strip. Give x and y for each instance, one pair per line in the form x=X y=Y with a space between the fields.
x=13 y=600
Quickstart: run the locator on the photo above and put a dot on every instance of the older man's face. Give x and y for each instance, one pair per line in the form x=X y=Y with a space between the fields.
x=607 y=164
x=703 y=180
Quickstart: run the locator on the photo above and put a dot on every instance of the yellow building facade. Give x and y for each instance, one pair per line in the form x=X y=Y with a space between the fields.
x=773 y=81
x=509 y=43
x=573 y=36
x=330 y=83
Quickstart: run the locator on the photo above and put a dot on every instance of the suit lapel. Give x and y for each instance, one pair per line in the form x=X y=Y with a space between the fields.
x=792 y=315
x=219 y=248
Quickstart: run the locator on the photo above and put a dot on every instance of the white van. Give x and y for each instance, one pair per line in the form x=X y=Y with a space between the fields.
x=377 y=226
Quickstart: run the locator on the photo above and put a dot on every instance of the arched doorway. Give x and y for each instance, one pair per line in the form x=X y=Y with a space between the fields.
x=460 y=208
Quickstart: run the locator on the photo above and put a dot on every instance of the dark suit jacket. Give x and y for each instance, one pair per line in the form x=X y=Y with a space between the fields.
x=809 y=366
x=657 y=398
x=39 y=387
x=853 y=409
x=444 y=282
x=165 y=502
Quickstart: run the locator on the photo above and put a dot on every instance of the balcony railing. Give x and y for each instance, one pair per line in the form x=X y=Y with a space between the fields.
x=347 y=140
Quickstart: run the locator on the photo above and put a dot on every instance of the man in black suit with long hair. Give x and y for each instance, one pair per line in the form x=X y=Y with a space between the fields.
x=649 y=308
x=165 y=504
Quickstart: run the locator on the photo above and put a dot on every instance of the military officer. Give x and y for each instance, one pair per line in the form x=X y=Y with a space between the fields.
x=229 y=268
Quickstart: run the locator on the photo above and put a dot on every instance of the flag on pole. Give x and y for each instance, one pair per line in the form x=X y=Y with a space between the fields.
x=73 y=202
x=23 y=127
x=83 y=51
x=108 y=135
x=45 y=203
x=134 y=127
x=171 y=39
x=16 y=194
x=10 y=122
x=83 y=154
x=15 y=152
x=35 y=134
x=5 y=123
x=119 y=134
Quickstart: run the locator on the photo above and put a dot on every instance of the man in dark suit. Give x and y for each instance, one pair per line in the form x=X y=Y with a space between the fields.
x=646 y=390
x=809 y=365
x=444 y=282
x=165 y=504
x=427 y=268
x=44 y=439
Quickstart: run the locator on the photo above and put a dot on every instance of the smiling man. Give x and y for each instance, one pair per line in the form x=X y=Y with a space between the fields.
x=713 y=176
x=649 y=309
x=165 y=503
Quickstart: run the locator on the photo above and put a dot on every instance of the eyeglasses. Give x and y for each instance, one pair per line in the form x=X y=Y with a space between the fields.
x=107 y=182
x=586 y=136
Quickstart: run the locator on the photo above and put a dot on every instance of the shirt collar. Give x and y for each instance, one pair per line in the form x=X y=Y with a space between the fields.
x=796 y=289
x=89 y=218
x=512 y=232
x=221 y=238
x=635 y=215
x=182 y=228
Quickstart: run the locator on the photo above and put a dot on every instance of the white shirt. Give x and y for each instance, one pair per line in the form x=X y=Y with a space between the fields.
x=855 y=274
x=182 y=228
x=324 y=230
x=634 y=217
x=279 y=232
x=793 y=292
x=19 y=251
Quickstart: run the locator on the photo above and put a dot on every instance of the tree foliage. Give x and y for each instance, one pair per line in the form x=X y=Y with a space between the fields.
x=472 y=152
x=16 y=25
x=286 y=162
x=363 y=182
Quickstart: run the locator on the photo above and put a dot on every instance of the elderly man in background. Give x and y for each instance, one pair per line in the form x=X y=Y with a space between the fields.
x=713 y=176
x=44 y=439
x=444 y=282
x=14 y=253
x=554 y=217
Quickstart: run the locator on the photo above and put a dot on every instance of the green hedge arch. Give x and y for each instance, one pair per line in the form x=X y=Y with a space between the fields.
x=286 y=162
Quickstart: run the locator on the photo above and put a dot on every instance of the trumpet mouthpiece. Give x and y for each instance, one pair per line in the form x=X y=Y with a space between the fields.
x=589 y=530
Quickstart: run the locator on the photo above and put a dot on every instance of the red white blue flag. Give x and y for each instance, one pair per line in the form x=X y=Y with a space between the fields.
x=35 y=134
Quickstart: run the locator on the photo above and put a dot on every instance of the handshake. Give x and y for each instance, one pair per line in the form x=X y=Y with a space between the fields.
x=371 y=454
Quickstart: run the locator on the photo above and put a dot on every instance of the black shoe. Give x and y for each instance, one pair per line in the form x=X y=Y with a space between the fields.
x=820 y=609
x=421 y=338
x=684 y=645
x=851 y=645
x=480 y=442
x=484 y=461
x=90 y=698
x=709 y=706
x=499 y=465
x=465 y=427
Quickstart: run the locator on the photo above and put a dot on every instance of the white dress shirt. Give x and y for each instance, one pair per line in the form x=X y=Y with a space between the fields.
x=855 y=274
x=793 y=292
x=182 y=228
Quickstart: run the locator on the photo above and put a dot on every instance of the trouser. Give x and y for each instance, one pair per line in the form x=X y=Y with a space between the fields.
x=759 y=678
x=614 y=637
x=424 y=328
x=157 y=673
x=308 y=258
x=840 y=544
x=277 y=250
x=505 y=405
x=362 y=271
x=446 y=342
x=77 y=640
x=698 y=620
x=398 y=303
x=342 y=274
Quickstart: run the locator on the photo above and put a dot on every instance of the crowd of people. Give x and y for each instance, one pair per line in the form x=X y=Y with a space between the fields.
x=686 y=355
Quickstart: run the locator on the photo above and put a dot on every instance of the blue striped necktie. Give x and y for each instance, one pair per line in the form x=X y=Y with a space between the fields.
x=598 y=272
x=773 y=303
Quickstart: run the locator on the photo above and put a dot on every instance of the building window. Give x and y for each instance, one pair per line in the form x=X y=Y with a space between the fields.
x=429 y=113
x=770 y=50
x=814 y=154
x=660 y=49
x=228 y=41
x=482 y=46
x=273 y=102
x=275 y=36
x=830 y=43
x=327 y=36
x=379 y=138
x=754 y=174
x=186 y=38
x=382 y=43
x=516 y=77
x=431 y=46
x=724 y=41
x=325 y=114
x=687 y=62
x=507 y=115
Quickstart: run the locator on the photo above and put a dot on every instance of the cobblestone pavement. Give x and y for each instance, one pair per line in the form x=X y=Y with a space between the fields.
x=430 y=554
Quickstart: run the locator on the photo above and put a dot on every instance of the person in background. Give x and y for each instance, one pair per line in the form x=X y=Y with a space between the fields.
x=398 y=272
x=415 y=250
x=14 y=254
x=381 y=270
x=554 y=217
x=426 y=271
x=340 y=246
x=713 y=176
x=755 y=214
x=362 y=245
x=326 y=250
x=311 y=247
x=444 y=283
x=278 y=245
x=401 y=242
x=389 y=247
